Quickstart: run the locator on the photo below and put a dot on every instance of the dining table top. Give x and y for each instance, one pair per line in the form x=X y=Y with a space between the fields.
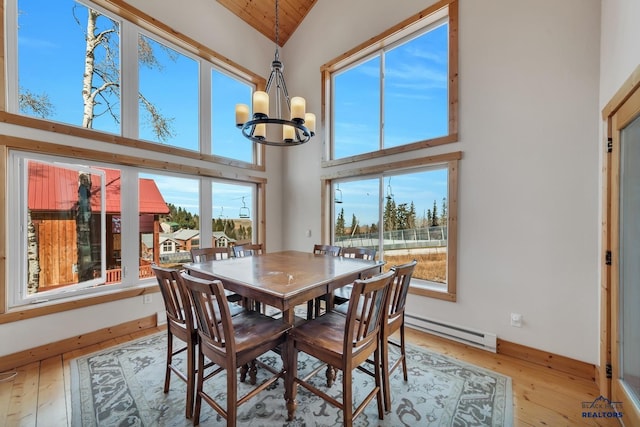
x=283 y=279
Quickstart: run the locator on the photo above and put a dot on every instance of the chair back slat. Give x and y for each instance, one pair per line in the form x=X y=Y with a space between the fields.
x=367 y=309
x=360 y=253
x=212 y=312
x=399 y=288
x=326 y=250
x=209 y=254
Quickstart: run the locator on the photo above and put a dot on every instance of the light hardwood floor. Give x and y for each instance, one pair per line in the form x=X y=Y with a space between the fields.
x=39 y=394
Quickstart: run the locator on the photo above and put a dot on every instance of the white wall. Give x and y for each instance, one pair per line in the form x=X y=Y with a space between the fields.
x=528 y=192
x=619 y=51
x=210 y=24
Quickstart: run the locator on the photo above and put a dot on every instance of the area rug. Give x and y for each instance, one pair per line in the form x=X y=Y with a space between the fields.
x=122 y=386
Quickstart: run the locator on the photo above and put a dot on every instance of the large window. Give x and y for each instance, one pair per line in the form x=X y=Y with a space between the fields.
x=405 y=214
x=80 y=228
x=61 y=42
x=103 y=65
x=397 y=91
x=59 y=212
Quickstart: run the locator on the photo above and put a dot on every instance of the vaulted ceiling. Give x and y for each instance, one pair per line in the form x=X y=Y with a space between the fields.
x=261 y=15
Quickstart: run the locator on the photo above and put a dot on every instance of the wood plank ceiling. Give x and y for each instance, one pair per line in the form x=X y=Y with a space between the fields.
x=261 y=15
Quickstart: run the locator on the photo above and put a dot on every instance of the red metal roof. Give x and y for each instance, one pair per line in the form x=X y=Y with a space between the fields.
x=54 y=188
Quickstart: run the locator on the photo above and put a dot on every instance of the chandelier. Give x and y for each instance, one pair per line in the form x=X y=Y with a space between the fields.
x=296 y=128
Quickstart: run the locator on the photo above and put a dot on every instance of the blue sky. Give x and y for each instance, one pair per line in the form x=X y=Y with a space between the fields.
x=415 y=104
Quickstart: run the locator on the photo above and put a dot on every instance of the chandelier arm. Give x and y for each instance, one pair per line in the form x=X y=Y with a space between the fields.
x=297 y=124
x=284 y=90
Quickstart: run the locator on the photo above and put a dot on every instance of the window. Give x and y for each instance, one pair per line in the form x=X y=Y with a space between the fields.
x=167 y=116
x=226 y=92
x=81 y=228
x=52 y=45
x=232 y=210
x=405 y=214
x=122 y=66
x=397 y=91
x=170 y=220
x=59 y=212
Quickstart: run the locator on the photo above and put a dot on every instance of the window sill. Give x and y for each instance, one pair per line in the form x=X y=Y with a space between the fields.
x=431 y=290
x=62 y=305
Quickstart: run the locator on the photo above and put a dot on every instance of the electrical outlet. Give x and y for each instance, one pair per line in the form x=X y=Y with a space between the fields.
x=147 y=298
x=516 y=320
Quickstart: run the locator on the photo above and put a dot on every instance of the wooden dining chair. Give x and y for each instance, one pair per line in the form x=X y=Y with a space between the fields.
x=250 y=249
x=209 y=254
x=360 y=253
x=247 y=250
x=215 y=254
x=326 y=250
x=314 y=305
x=394 y=321
x=341 y=295
x=180 y=324
x=230 y=342
x=345 y=342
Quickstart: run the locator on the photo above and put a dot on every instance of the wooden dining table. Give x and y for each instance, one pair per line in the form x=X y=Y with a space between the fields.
x=284 y=279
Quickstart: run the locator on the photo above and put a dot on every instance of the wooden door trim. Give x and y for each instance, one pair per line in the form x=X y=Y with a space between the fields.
x=620 y=111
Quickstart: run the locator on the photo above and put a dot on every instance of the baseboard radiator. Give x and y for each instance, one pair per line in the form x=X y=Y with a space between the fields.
x=484 y=340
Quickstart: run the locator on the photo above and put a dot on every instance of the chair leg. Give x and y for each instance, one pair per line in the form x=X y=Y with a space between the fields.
x=378 y=373
x=310 y=308
x=331 y=375
x=243 y=372
x=167 y=375
x=403 y=353
x=347 y=398
x=384 y=364
x=191 y=378
x=253 y=372
x=198 y=405
x=232 y=397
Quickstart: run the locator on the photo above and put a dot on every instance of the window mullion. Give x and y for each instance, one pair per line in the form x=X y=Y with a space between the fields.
x=129 y=79
x=206 y=142
x=11 y=34
x=382 y=75
x=130 y=220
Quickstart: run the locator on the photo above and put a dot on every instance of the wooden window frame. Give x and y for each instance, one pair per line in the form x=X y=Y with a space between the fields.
x=403 y=29
x=452 y=161
x=8 y=143
x=165 y=33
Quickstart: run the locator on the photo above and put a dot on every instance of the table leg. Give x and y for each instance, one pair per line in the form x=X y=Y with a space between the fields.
x=290 y=359
x=288 y=316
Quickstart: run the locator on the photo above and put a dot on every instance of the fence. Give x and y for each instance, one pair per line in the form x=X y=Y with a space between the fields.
x=115 y=275
x=428 y=237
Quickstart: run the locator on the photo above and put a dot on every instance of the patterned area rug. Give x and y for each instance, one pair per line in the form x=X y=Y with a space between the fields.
x=122 y=386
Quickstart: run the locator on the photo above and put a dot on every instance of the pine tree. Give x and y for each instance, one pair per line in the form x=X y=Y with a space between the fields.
x=340 y=223
x=443 y=216
x=355 y=229
x=389 y=216
x=434 y=215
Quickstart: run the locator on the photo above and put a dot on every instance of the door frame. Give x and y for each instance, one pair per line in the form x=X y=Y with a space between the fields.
x=624 y=105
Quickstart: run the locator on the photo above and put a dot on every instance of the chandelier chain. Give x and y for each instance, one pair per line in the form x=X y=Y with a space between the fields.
x=277 y=25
